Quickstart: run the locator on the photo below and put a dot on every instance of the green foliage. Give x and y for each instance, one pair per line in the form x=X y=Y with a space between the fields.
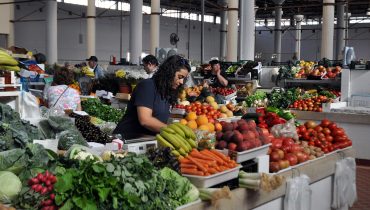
x=124 y=183
x=14 y=132
x=280 y=98
x=96 y=108
x=258 y=95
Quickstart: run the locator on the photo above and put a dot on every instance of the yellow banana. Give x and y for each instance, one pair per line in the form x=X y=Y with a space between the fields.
x=175 y=152
x=7 y=60
x=168 y=130
x=192 y=142
x=163 y=142
x=182 y=152
x=184 y=142
x=171 y=139
x=10 y=68
x=188 y=132
x=177 y=130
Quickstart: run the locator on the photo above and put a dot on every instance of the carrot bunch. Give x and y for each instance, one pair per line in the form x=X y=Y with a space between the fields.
x=205 y=163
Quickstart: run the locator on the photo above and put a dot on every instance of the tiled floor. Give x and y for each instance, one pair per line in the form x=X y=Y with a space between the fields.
x=363 y=188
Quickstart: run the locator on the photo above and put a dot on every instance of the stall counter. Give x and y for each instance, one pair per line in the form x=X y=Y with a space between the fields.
x=320 y=171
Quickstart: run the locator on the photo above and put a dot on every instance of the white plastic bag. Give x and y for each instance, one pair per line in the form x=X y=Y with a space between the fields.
x=298 y=194
x=287 y=130
x=344 y=192
x=29 y=106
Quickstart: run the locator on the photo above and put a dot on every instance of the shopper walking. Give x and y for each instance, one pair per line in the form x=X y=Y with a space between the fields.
x=150 y=65
x=149 y=108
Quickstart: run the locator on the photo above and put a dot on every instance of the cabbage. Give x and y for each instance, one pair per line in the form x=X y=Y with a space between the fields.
x=10 y=186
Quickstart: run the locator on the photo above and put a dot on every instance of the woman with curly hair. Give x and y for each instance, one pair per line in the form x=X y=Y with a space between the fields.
x=149 y=107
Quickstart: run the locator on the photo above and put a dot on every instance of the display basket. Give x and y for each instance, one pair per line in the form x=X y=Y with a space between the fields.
x=228 y=97
x=178 y=111
x=212 y=180
x=250 y=154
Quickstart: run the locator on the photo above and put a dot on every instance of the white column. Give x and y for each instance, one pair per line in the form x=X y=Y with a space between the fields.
x=11 y=41
x=154 y=25
x=232 y=31
x=202 y=33
x=277 y=35
x=91 y=31
x=340 y=30
x=327 y=34
x=136 y=31
x=298 y=35
x=52 y=32
x=223 y=31
x=247 y=30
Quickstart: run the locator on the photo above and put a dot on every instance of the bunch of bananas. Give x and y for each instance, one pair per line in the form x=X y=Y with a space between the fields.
x=7 y=62
x=86 y=71
x=178 y=137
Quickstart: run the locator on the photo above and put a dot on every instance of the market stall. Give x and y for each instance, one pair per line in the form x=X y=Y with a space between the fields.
x=213 y=151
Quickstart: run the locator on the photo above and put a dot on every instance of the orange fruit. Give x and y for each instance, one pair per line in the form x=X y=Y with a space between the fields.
x=204 y=128
x=202 y=120
x=218 y=126
x=191 y=116
x=211 y=127
x=192 y=124
x=183 y=121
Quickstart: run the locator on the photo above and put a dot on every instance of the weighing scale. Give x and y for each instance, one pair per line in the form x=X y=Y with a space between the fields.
x=138 y=144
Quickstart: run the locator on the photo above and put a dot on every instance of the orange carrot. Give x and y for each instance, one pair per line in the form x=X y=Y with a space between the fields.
x=220 y=155
x=198 y=164
x=210 y=163
x=184 y=160
x=213 y=156
x=188 y=166
x=191 y=171
x=207 y=174
x=212 y=170
x=200 y=156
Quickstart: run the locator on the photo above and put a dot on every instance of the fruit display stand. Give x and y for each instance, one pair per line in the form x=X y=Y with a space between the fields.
x=320 y=171
x=357 y=127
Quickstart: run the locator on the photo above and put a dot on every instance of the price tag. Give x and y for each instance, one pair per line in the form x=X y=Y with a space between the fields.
x=252 y=110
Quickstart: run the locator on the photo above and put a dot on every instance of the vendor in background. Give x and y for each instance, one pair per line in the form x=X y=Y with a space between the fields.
x=59 y=95
x=149 y=107
x=216 y=79
x=98 y=70
x=150 y=65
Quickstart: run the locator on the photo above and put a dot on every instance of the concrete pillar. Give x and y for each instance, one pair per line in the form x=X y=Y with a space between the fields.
x=202 y=33
x=52 y=31
x=11 y=41
x=298 y=35
x=154 y=25
x=340 y=30
x=136 y=31
x=91 y=31
x=247 y=30
x=223 y=31
x=232 y=31
x=277 y=35
x=327 y=29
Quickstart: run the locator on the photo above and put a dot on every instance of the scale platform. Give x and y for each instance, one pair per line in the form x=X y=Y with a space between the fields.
x=139 y=144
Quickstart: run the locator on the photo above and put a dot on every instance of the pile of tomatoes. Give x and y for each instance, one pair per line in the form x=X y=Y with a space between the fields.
x=203 y=109
x=310 y=104
x=327 y=135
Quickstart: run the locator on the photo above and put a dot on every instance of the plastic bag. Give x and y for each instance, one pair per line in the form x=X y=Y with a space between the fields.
x=287 y=130
x=29 y=106
x=298 y=194
x=344 y=194
x=70 y=137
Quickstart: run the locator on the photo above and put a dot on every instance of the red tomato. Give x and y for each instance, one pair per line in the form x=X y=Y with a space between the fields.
x=318 y=129
x=332 y=126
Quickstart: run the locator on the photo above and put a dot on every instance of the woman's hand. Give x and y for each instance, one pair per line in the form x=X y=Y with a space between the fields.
x=146 y=119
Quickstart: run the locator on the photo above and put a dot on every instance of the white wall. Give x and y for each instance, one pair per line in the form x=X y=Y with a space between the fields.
x=32 y=35
x=4 y=18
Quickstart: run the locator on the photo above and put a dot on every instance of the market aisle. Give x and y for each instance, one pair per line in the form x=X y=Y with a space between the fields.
x=363 y=188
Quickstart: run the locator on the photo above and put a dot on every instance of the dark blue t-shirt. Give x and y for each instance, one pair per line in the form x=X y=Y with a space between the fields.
x=145 y=94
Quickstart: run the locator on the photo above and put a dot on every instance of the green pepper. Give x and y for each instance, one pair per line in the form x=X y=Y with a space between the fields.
x=272 y=109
